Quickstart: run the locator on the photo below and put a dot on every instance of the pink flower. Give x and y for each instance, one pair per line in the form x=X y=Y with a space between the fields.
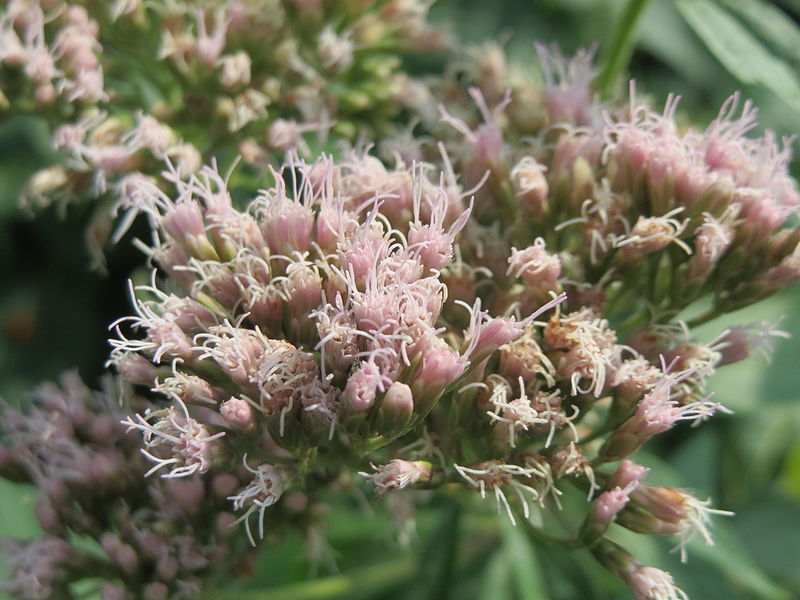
x=183 y=443
x=266 y=488
x=398 y=474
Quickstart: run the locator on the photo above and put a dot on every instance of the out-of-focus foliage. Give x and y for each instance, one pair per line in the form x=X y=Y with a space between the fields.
x=53 y=315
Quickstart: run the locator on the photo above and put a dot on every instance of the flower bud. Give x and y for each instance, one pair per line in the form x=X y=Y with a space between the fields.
x=134 y=368
x=656 y=413
x=361 y=389
x=47 y=517
x=737 y=343
x=649 y=583
x=156 y=591
x=627 y=473
x=787 y=272
x=112 y=591
x=335 y=52
x=440 y=365
x=238 y=414
x=538 y=268
x=530 y=186
x=395 y=410
x=184 y=222
x=603 y=511
x=658 y=510
x=188 y=494
x=224 y=484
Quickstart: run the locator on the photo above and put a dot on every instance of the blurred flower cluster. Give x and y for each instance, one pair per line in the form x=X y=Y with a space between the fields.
x=497 y=298
x=153 y=538
x=202 y=78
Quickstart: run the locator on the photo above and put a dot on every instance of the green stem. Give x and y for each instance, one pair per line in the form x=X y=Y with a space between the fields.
x=375 y=578
x=617 y=53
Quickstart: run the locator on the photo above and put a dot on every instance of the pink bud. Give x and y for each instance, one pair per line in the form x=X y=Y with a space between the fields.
x=187 y=493
x=647 y=583
x=287 y=225
x=238 y=414
x=224 y=484
x=225 y=523
x=608 y=504
x=112 y=591
x=530 y=186
x=787 y=272
x=47 y=516
x=209 y=47
x=134 y=368
x=362 y=387
x=283 y=135
x=156 y=591
x=395 y=410
x=440 y=366
x=536 y=266
x=304 y=289
x=627 y=472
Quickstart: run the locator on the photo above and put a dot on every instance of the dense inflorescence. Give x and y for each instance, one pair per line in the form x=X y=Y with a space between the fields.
x=203 y=78
x=356 y=314
x=498 y=300
x=149 y=538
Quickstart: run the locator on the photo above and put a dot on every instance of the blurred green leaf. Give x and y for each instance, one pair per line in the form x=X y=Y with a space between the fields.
x=763 y=528
x=790 y=481
x=732 y=558
x=666 y=35
x=16 y=511
x=439 y=555
x=617 y=51
x=524 y=565
x=698 y=474
x=356 y=584
x=496 y=582
x=773 y=26
x=739 y=51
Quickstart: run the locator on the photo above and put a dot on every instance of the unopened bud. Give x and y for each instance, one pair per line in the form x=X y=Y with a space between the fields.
x=396 y=409
x=530 y=186
x=156 y=591
x=627 y=472
x=604 y=510
x=238 y=414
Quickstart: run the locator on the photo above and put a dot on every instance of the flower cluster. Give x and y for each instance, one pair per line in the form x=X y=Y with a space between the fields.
x=155 y=539
x=256 y=78
x=508 y=310
x=340 y=313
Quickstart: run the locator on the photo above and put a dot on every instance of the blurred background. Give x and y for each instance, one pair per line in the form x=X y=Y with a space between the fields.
x=56 y=303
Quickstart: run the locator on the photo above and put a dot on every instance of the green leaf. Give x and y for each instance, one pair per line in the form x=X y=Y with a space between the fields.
x=496 y=582
x=666 y=35
x=16 y=511
x=617 y=53
x=771 y=24
x=765 y=526
x=439 y=556
x=732 y=558
x=524 y=564
x=356 y=584
x=741 y=53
